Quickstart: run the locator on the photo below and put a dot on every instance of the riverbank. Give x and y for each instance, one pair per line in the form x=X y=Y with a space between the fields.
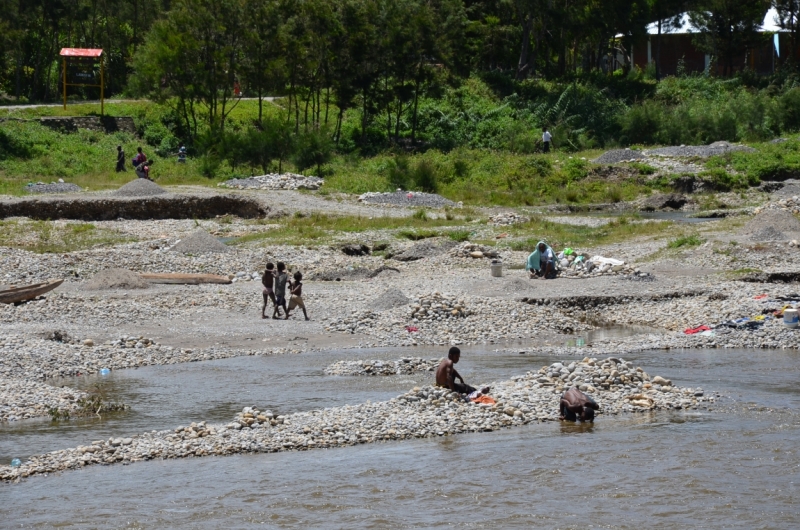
x=369 y=284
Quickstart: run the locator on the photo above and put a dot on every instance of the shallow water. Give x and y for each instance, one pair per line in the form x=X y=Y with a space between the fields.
x=736 y=466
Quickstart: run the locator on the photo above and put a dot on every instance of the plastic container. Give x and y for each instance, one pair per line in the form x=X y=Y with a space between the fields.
x=105 y=371
x=497 y=268
x=790 y=318
x=16 y=462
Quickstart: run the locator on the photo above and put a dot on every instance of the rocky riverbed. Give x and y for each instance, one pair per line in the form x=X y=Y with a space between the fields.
x=616 y=385
x=430 y=293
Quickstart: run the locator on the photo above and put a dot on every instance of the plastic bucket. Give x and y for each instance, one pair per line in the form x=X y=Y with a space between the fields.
x=497 y=269
x=790 y=318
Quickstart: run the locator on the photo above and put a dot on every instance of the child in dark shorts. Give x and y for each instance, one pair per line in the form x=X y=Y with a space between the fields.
x=268 y=291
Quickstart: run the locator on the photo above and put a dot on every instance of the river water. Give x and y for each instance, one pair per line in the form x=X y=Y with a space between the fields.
x=735 y=466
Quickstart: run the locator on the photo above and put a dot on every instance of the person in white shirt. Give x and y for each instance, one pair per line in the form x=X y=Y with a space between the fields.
x=547 y=139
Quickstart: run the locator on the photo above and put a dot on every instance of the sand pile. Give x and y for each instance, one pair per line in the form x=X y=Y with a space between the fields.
x=116 y=279
x=139 y=188
x=774 y=221
x=200 y=242
x=768 y=234
x=389 y=300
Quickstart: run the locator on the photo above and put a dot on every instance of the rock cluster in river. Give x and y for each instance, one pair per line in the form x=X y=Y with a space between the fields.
x=276 y=181
x=406 y=365
x=420 y=413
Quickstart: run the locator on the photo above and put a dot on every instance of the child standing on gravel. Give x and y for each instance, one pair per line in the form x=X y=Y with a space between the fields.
x=268 y=281
x=280 y=290
x=296 y=300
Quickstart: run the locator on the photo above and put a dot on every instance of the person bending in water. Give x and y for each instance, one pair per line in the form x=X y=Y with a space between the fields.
x=575 y=405
x=446 y=374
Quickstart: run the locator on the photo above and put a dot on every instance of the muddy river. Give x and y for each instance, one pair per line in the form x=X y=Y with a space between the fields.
x=735 y=466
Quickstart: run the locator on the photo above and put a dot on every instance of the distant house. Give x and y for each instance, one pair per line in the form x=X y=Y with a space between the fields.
x=677 y=44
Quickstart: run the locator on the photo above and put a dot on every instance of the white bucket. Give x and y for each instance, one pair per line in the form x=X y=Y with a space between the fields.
x=497 y=269
x=790 y=318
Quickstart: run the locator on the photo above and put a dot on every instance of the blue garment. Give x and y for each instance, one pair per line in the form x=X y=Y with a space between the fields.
x=535 y=260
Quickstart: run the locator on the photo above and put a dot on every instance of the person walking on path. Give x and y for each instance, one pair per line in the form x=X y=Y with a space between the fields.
x=120 y=159
x=547 y=139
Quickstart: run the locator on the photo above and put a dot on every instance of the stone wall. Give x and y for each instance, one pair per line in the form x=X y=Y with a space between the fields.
x=142 y=208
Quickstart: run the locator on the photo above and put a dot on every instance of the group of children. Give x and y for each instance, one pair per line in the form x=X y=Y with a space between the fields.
x=275 y=282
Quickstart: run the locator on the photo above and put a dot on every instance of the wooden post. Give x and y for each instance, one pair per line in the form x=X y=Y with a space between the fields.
x=64 y=81
x=102 y=85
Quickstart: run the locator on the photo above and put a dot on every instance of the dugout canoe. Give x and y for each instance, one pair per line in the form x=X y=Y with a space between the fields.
x=27 y=292
x=189 y=279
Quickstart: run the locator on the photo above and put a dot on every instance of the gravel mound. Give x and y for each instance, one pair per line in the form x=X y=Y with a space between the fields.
x=55 y=187
x=349 y=274
x=389 y=300
x=116 y=279
x=425 y=249
x=200 y=242
x=615 y=156
x=777 y=220
x=139 y=188
x=407 y=198
x=768 y=234
x=703 y=151
x=276 y=181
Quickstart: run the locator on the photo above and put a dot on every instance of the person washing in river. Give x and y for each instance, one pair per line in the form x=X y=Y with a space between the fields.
x=575 y=405
x=446 y=374
x=541 y=262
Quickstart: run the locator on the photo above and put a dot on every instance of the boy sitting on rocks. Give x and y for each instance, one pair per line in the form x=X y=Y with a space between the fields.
x=446 y=374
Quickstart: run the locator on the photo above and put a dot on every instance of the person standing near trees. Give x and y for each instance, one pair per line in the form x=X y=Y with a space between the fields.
x=547 y=139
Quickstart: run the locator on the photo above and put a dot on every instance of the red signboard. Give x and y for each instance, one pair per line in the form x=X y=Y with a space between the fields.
x=81 y=52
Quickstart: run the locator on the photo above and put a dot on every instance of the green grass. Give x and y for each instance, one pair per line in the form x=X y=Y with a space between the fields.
x=48 y=237
x=526 y=235
x=319 y=228
x=685 y=241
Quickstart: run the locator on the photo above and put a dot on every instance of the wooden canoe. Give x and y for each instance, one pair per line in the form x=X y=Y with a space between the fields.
x=177 y=278
x=26 y=292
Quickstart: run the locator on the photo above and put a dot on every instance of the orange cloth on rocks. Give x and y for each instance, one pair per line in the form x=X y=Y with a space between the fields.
x=484 y=399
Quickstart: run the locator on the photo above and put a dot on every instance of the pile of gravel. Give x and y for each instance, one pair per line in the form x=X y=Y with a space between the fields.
x=615 y=156
x=768 y=234
x=389 y=300
x=349 y=274
x=702 y=151
x=407 y=198
x=139 y=188
x=53 y=187
x=276 y=181
x=200 y=242
x=425 y=249
x=116 y=279
x=776 y=221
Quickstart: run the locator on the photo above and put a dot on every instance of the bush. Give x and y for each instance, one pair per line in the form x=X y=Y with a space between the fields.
x=789 y=105
x=314 y=148
x=685 y=241
x=425 y=176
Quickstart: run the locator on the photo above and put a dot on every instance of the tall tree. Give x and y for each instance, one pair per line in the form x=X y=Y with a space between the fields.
x=729 y=28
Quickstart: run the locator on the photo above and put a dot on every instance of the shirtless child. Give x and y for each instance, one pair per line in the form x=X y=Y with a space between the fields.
x=280 y=290
x=296 y=300
x=446 y=374
x=268 y=281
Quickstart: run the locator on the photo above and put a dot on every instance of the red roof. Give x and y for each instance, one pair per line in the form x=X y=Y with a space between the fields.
x=81 y=52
